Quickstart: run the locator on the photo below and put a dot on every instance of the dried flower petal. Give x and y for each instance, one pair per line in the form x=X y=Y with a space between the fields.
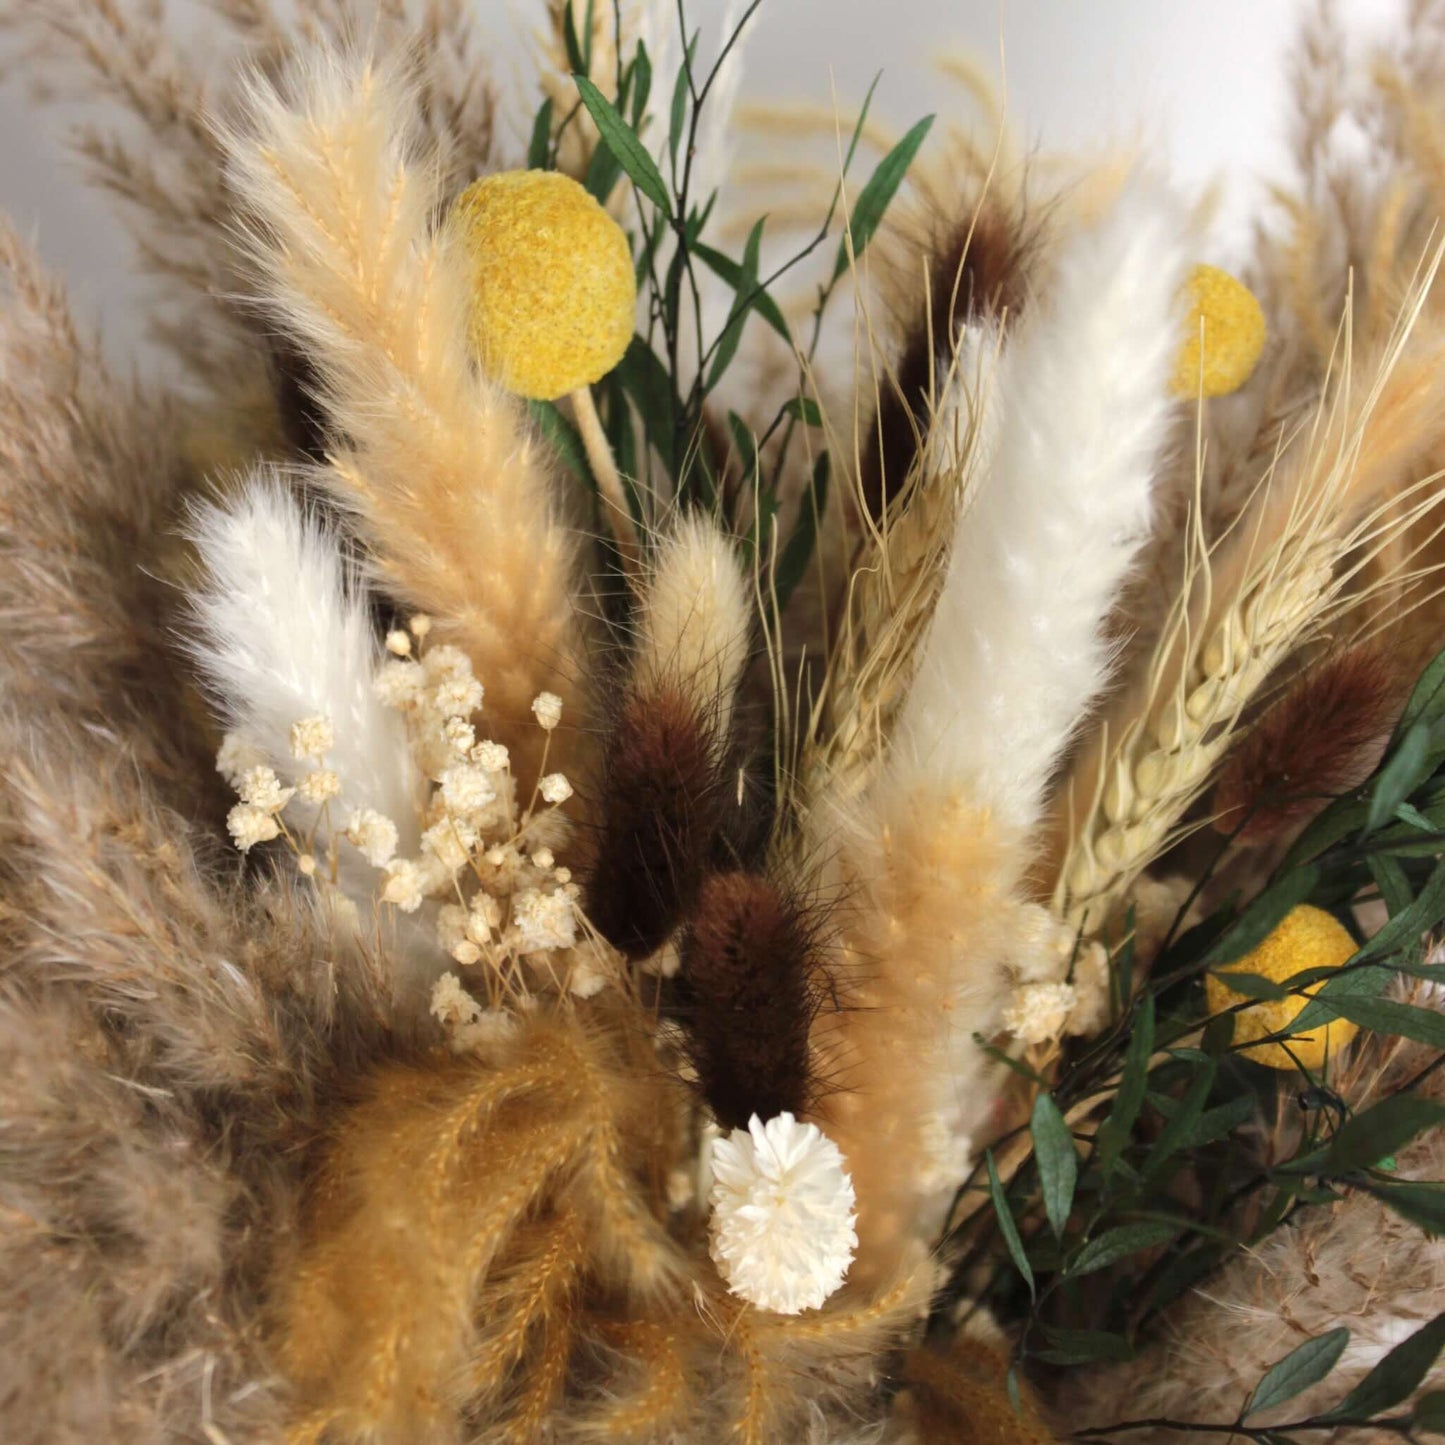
x=547 y=709
x=312 y=737
x=782 y=1214
x=249 y=825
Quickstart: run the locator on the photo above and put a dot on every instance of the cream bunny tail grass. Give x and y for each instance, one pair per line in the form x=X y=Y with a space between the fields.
x=284 y=635
x=448 y=485
x=1042 y=551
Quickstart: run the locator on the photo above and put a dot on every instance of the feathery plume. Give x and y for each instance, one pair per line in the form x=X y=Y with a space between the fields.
x=1041 y=553
x=438 y=468
x=933 y=859
x=284 y=635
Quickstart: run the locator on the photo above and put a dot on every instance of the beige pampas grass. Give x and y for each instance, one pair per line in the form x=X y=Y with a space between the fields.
x=90 y=480
x=438 y=468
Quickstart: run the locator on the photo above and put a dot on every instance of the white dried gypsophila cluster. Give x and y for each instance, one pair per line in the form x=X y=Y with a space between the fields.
x=488 y=863
x=1038 y=1012
x=782 y=1232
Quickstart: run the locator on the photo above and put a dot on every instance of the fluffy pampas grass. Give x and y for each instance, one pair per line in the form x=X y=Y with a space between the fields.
x=438 y=467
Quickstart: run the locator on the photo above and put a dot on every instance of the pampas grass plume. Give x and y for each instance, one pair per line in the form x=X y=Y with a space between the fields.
x=438 y=467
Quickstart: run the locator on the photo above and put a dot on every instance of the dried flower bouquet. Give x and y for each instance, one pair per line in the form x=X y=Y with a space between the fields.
x=627 y=822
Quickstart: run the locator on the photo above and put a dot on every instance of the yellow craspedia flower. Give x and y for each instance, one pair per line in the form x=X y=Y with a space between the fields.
x=1307 y=938
x=1232 y=335
x=553 y=287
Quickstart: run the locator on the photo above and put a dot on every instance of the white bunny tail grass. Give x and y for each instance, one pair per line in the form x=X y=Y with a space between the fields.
x=447 y=484
x=283 y=634
x=1043 y=550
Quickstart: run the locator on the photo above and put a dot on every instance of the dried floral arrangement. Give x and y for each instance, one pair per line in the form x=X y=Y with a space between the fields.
x=625 y=822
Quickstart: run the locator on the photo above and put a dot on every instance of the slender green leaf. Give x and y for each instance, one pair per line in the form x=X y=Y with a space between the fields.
x=1115 y=1132
x=677 y=120
x=1077 y=1347
x=625 y=145
x=731 y=272
x=1304 y=1366
x=1414 y=818
x=1057 y=1161
x=1183 y=1122
x=1429 y=1413
x=1422 y=1203
x=1219 y=1123
x=798 y=550
x=1392 y=881
x=1119 y=1243
x=642 y=84
x=743 y=302
x=603 y=172
x=578 y=57
x=805 y=410
x=1408 y=767
x=875 y=197
x=1367 y=1138
x=1386 y=1016
x=564 y=438
x=541 y=142
x=1395 y=1378
x=1427 y=701
x=1006 y=1225
x=1256 y=985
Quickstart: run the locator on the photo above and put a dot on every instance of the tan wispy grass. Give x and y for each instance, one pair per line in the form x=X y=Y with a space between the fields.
x=520 y=1276
x=439 y=469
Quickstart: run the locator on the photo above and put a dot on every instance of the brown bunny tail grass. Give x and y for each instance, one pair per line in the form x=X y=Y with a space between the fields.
x=1322 y=738
x=973 y=267
x=747 y=995
x=665 y=768
x=664 y=796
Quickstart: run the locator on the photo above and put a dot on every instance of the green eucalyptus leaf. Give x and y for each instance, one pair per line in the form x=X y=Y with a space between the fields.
x=1119 y=1243
x=1057 y=1161
x=624 y=144
x=1427 y=701
x=731 y=272
x=875 y=197
x=1006 y=1225
x=1395 y=1378
x=1304 y=1366
x=1422 y=1202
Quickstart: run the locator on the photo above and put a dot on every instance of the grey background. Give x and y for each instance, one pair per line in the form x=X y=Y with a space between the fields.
x=1202 y=80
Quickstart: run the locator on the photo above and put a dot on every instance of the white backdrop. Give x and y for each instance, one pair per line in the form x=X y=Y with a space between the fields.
x=1203 y=80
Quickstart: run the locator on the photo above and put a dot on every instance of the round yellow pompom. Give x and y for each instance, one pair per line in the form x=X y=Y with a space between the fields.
x=1232 y=335
x=553 y=286
x=1307 y=938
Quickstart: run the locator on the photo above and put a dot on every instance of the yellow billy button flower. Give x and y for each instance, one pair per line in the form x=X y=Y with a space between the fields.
x=553 y=287
x=1307 y=938
x=1226 y=322
x=553 y=300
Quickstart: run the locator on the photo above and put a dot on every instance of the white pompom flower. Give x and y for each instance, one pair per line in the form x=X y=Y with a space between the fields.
x=782 y=1214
